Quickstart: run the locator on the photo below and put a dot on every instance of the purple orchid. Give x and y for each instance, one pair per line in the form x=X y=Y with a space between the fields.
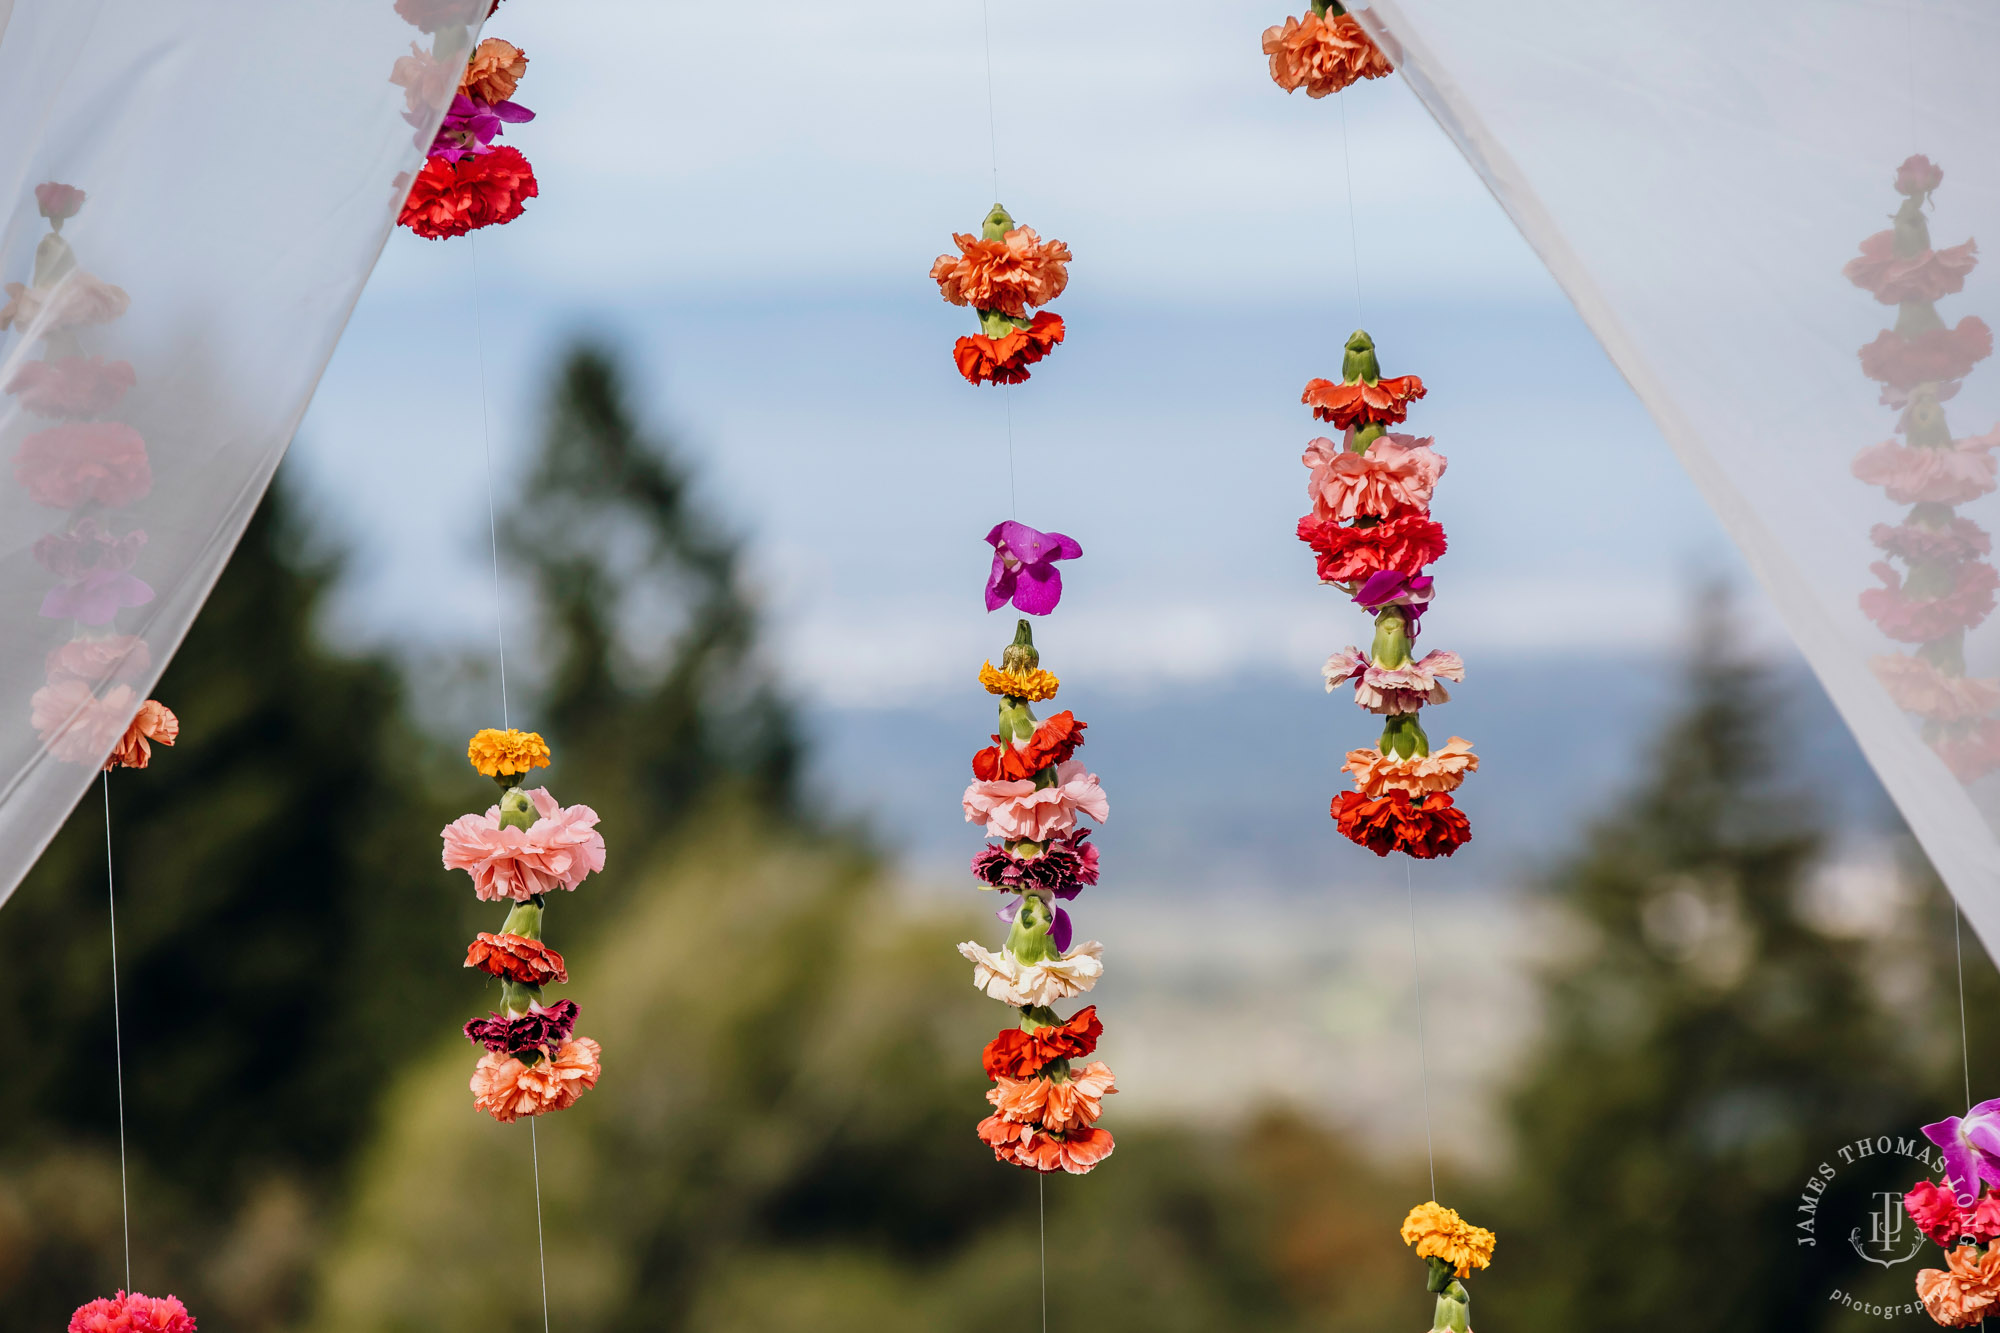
x=1392 y=587
x=1971 y=1148
x=470 y=126
x=1024 y=567
x=1060 y=933
x=97 y=597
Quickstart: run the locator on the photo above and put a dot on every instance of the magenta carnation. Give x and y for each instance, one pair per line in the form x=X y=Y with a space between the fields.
x=1959 y=539
x=555 y=852
x=132 y=1314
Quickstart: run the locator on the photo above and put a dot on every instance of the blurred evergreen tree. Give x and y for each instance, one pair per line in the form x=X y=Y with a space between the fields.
x=282 y=944
x=1707 y=1044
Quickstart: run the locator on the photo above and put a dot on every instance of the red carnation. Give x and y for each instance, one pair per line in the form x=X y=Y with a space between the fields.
x=1054 y=741
x=1970 y=752
x=1960 y=539
x=1018 y=1054
x=1383 y=403
x=453 y=198
x=1005 y=360
x=1393 y=822
x=516 y=958
x=1936 y=354
x=1919 y=620
x=1355 y=554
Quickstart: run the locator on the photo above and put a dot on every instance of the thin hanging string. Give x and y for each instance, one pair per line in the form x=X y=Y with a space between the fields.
x=1423 y=1054
x=535 y=1147
x=492 y=519
x=117 y=1031
x=1353 y=236
x=992 y=120
x=1964 y=1048
x=1013 y=495
x=500 y=642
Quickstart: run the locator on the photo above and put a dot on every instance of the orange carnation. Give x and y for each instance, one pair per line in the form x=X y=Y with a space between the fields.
x=1959 y=1294
x=1054 y=741
x=494 y=71
x=155 y=722
x=1060 y=1105
x=1376 y=774
x=1383 y=403
x=516 y=958
x=1322 y=55
x=1010 y=275
x=507 y=1089
x=1039 y=1150
x=1005 y=360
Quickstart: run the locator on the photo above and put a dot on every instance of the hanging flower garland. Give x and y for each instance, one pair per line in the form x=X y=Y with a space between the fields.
x=1452 y=1248
x=520 y=851
x=467 y=181
x=92 y=466
x=1003 y=273
x=132 y=1313
x=1949 y=587
x=1031 y=794
x=1323 y=52
x=1962 y=1216
x=1372 y=534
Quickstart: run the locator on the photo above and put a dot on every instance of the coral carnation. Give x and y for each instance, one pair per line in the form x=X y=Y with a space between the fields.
x=1935 y=354
x=1010 y=275
x=1914 y=474
x=154 y=723
x=1928 y=276
x=1435 y=1231
x=495 y=70
x=1383 y=403
x=1061 y=1105
x=101 y=461
x=1393 y=476
x=453 y=198
x=1394 y=823
x=1918 y=620
x=72 y=386
x=1959 y=1294
x=507 y=1089
x=132 y=1313
x=516 y=958
x=1353 y=554
x=557 y=851
x=1020 y=809
x=1005 y=360
x=80 y=728
x=1322 y=55
x=1920 y=688
x=1039 y=1150
x=1054 y=741
x=1034 y=686
x=1376 y=774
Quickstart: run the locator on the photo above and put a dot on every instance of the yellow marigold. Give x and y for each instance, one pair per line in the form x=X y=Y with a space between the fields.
x=1437 y=1232
x=1036 y=685
x=499 y=753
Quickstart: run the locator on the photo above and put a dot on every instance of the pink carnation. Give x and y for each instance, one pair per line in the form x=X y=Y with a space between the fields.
x=1019 y=810
x=1937 y=354
x=555 y=852
x=1402 y=689
x=64 y=466
x=1915 y=475
x=1971 y=753
x=1921 y=619
x=72 y=386
x=97 y=660
x=132 y=1314
x=1922 y=277
x=76 y=725
x=1393 y=476
x=1920 y=688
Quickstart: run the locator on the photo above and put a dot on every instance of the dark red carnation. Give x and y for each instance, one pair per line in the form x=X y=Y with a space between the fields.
x=1921 y=619
x=453 y=198
x=1937 y=354
x=1054 y=741
x=536 y=1030
x=1005 y=360
x=1960 y=539
x=1393 y=822
x=1406 y=543
x=1018 y=1054
x=1066 y=865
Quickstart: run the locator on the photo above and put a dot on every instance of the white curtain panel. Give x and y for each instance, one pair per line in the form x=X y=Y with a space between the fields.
x=240 y=164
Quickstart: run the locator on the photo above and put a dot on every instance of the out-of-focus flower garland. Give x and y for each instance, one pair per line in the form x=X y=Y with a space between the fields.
x=1323 y=52
x=1963 y=1216
x=92 y=466
x=1031 y=793
x=1003 y=273
x=520 y=851
x=468 y=181
x=1372 y=532
x=1949 y=588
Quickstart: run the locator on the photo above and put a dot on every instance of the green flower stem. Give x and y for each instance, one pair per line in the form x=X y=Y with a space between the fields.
x=516 y=810
x=1028 y=939
x=1454 y=1304
x=525 y=920
x=997 y=224
x=1359 y=365
x=1403 y=735
x=1391 y=648
x=515 y=998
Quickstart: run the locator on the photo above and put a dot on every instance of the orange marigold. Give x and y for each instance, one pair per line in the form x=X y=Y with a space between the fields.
x=1005 y=360
x=1010 y=275
x=502 y=753
x=1035 y=685
x=1383 y=403
x=1322 y=55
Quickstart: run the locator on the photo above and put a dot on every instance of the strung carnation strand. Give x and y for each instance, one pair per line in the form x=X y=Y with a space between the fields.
x=1946 y=587
x=523 y=849
x=1323 y=52
x=1003 y=273
x=1962 y=1215
x=1372 y=536
x=467 y=181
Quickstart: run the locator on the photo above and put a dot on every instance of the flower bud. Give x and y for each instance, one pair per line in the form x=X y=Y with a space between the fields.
x=53 y=260
x=516 y=810
x=998 y=223
x=1028 y=939
x=1020 y=655
x=1392 y=638
x=1912 y=233
x=1359 y=366
x=1017 y=720
x=525 y=920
